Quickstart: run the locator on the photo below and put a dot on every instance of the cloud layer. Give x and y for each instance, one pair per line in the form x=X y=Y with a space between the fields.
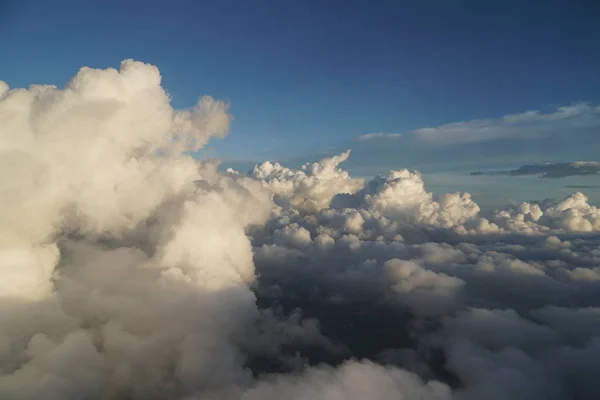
x=530 y=124
x=551 y=170
x=378 y=135
x=131 y=270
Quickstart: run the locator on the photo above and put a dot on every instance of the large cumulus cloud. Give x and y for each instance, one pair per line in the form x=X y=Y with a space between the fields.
x=133 y=252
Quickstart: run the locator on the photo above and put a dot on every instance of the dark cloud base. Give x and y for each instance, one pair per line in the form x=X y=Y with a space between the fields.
x=364 y=330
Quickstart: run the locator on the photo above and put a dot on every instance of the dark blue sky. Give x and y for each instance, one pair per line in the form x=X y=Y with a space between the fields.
x=316 y=74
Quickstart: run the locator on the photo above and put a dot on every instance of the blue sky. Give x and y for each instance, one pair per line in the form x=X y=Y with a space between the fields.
x=307 y=77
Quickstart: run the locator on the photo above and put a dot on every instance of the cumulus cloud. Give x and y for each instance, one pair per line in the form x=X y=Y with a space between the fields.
x=424 y=291
x=488 y=282
x=551 y=170
x=126 y=269
x=378 y=135
x=312 y=187
x=131 y=270
x=401 y=197
x=530 y=124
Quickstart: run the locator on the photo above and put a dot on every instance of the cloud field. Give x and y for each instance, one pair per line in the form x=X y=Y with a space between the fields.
x=131 y=271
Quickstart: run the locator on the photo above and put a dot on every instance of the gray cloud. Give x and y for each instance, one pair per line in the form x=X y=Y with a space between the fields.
x=582 y=186
x=551 y=170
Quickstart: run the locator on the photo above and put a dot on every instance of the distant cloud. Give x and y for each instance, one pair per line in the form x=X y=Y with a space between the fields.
x=378 y=135
x=528 y=124
x=551 y=170
x=582 y=186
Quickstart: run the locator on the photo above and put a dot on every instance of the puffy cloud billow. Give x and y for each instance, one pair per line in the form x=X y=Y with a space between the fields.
x=131 y=270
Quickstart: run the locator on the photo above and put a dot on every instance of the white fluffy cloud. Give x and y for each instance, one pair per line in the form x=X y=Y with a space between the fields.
x=311 y=188
x=86 y=158
x=134 y=253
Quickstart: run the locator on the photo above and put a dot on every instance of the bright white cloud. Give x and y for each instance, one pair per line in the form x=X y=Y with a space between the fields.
x=125 y=264
x=311 y=188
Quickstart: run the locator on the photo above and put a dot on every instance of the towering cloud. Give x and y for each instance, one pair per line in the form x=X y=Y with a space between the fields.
x=98 y=158
x=133 y=253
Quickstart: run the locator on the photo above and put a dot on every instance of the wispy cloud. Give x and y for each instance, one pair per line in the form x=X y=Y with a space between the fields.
x=378 y=135
x=551 y=170
x=523 y=125
x=582 y=186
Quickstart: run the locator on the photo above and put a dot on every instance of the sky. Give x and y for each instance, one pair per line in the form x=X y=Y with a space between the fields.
x=306 y=79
